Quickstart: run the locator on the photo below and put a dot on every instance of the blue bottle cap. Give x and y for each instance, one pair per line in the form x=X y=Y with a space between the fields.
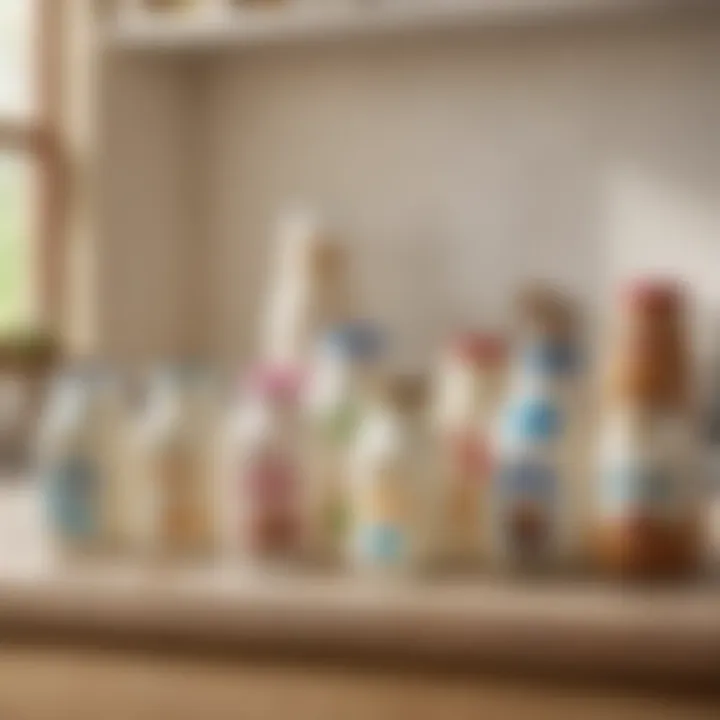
x=358 y=340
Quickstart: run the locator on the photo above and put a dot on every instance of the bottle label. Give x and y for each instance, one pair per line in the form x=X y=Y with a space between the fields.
x=270 y=484
x=382 y=517
x=467 y=475
x=528 y=501
x=645 y=471
x=181 y=503
x=73 y=495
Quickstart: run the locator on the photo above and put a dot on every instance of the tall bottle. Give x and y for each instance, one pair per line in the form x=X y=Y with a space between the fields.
x=344 y=374
x=648 y=503
x=175 y=460
x=393 y=483
x=308 y=291
x=470 y=387
x=262 y=470
x=78 y=443
x=536 y=483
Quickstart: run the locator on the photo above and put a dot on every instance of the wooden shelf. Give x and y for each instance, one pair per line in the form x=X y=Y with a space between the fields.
x=667 y=636
x=230 y=28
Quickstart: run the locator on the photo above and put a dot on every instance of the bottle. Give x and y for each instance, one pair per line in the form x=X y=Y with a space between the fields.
x=393 y=483
x=470 y=386
x=262 y=468
x=648 y=504
x=308 y=290
x=344 y=373
x=75 y=454
x=533 y=488
x=175 y=464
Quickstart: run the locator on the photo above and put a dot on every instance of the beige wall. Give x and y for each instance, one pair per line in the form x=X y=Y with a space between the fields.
x=454 y=165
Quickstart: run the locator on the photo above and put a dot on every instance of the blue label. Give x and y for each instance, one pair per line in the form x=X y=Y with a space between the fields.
x=535 y=419
x=72 y=498
x=383 y=543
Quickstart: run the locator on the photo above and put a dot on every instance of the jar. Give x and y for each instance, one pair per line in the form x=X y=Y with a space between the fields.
x=262 y=469
x=470 y=386
x=393 y=483
x=175 y=461
x=533 y=486
x=344 y=373
x=647 y=500
x=78 y=460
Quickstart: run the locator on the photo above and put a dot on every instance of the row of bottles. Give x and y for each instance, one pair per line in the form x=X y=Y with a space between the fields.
x=341 y=462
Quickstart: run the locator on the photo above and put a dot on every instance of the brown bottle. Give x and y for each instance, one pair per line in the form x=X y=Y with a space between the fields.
x=647 y=510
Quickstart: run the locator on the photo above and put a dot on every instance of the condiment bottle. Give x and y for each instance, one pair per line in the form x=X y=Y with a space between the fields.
x=262 y=469
x=470 y=388
x=344 y=373
x=393 y=483
x=647 y=511
x=175 y=460
x=76 y=462
x=533 y=487
x=308 y=291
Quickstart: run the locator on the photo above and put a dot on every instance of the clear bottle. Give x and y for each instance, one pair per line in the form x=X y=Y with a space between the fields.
x=175 y=464
x=648 y=500
x=393 y=483
x=536 y=481
x=262 y=471
x=343 y=375
x=78 y=460
x=470 y=387
x=308 y=291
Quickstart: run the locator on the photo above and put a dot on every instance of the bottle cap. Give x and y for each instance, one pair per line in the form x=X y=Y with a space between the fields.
x=653 y=295
x=548 y=310
x=275 y=382
x=358 y=340
x=480 y=348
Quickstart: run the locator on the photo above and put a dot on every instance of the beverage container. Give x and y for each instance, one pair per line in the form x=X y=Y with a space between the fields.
x=470 y=387
x=344 y=374
x=535 y=483
x=647 y=514
x=175 y=464
x=79 y=452
x=308 y=291
x=262 y=470
x=393 y=483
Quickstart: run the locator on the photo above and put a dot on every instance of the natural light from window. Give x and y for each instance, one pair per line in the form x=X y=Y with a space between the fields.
x=17 y=35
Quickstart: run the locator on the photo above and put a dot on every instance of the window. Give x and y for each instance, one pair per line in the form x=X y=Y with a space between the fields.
x=30 y=182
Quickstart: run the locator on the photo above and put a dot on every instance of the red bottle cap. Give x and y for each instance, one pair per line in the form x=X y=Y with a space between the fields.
x=653 y=295
x=480 y=348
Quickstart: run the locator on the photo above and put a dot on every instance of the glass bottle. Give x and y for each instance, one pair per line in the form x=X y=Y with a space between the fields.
x=393 y=483
x=471 y=382
x=344 y=373
x=175 y=504
x=534 y=485
x=647 y=517
x=76 y=461
x=262 y=469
